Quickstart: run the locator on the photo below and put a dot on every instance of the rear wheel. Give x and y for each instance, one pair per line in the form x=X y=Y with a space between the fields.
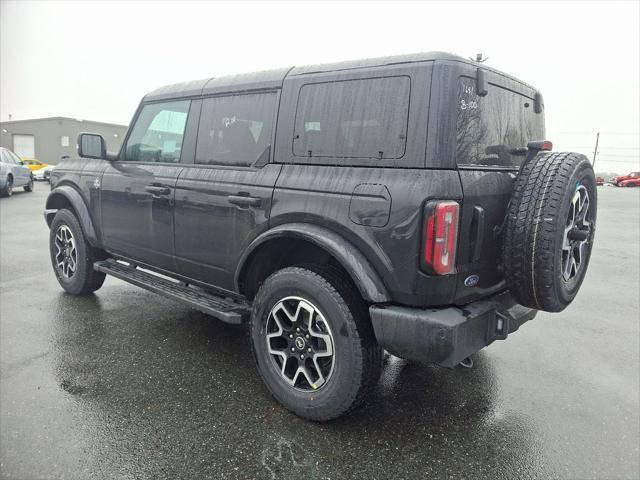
x=7 y=191
x=550 y=230
x=29 y=186
x=72 y=256
x=313 y=343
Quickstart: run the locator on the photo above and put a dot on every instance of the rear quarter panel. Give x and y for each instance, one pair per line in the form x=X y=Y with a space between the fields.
x=322 y=195
x=375 y=204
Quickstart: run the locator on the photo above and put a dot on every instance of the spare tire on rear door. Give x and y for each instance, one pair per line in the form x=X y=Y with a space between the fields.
x=549 y=230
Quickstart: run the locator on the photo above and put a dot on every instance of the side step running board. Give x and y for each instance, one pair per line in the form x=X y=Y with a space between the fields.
x=226 y=310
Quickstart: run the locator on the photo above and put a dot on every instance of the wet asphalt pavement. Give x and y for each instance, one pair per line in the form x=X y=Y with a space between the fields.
x=126 y=384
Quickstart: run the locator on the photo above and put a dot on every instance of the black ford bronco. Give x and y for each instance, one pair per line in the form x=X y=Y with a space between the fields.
x=408 y=204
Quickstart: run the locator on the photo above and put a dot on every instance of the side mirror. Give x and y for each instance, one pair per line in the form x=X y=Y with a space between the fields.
x=538 y=103
x=92 y=145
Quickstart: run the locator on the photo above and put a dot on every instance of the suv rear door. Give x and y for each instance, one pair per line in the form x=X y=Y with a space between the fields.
x=137 y=190
x=223 y=199
x=488 y=128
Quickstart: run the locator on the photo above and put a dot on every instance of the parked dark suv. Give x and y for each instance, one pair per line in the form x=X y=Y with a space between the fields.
x=404 y=203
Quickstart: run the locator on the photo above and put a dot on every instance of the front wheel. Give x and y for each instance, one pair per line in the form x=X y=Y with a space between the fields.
x=29 y=186
x=72 y=256
x=313 y=342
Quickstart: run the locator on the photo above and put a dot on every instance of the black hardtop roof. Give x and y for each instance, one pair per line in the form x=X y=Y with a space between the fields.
x=274 y=78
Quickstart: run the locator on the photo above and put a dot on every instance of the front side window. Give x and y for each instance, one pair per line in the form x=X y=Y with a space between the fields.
x=353 y=118
x=158 y=133
x=489 y=128
x=235 y=130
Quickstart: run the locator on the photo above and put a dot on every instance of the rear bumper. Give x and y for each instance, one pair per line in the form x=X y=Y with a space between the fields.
x=447 y=336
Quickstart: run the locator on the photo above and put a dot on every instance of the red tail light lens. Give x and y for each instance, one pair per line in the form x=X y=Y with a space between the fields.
x=440 y=237
x=544 y=145
x=547 y=145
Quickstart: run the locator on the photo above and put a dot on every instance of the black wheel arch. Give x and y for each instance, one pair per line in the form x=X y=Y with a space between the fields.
x=321 y=240
x=66 y=196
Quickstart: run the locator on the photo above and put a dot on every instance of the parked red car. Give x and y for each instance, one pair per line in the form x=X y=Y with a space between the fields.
x=599 y=181
x=631 y=180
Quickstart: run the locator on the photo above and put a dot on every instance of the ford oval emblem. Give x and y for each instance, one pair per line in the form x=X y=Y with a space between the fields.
x=471 y=281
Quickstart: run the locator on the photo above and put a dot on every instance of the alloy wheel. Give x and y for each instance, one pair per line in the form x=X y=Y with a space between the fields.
x=66 y=254
x=300 y=343
x=577 y=232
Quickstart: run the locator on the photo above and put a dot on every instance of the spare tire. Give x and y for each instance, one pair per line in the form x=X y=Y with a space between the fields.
x=550 y=229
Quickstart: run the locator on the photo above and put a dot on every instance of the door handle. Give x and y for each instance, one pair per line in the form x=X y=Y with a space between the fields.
x=244 y=201
x=157 y=190
x=478 y=222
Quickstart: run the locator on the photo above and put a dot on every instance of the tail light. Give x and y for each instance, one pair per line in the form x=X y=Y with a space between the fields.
x=440 y=237
x=544 y=145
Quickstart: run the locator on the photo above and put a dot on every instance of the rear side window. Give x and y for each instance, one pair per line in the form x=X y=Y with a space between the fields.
x=489 y=127
x=158 y=133
x=235 y=130
x=353 y=119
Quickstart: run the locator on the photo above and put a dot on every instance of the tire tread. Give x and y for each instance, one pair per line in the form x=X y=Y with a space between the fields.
x=530 y=250
x=90 y=280
x=369 y=355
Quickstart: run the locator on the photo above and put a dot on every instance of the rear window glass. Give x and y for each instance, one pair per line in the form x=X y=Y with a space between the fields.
x=489 y=127
x=353 y=119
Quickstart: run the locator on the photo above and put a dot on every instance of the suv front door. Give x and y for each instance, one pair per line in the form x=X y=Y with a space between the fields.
x=137 y=190
x=223 y=199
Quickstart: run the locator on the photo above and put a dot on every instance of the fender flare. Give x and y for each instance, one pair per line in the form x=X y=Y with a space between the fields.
x=352 y=260
x=80 y=208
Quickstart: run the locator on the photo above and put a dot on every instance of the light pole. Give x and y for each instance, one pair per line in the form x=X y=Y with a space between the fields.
x=595 y=152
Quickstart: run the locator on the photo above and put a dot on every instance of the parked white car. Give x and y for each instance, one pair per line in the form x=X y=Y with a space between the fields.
x=13 y=173
x=43 y=173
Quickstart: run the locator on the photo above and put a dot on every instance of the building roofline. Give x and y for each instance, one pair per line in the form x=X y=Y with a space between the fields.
x=10 y=122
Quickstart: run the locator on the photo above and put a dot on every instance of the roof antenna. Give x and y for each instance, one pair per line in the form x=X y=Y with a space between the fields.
x=479 y=58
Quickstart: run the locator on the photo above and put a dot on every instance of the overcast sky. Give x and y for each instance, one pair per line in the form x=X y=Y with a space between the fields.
x=95 y=60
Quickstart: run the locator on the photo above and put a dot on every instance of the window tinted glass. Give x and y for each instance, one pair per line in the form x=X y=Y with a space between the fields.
x=235 y=130
x=158 y=133
x=489 y=127
x=4 y=158
x=353 y=119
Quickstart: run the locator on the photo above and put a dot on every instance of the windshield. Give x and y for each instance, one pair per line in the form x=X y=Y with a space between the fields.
x=488 y=128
